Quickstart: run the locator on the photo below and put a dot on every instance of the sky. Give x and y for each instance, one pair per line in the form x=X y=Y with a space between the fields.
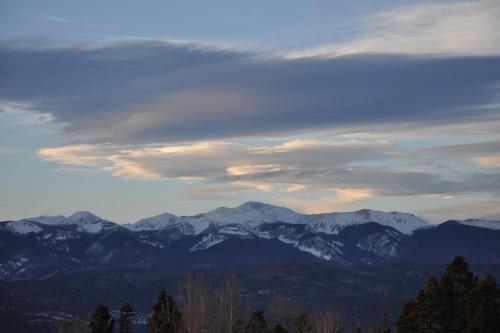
x=130 y=109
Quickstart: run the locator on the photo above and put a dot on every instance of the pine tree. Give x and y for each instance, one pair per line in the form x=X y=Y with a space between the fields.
x=406 y=322
x=302 y=324
x=482 y=308
x=256 y=323
x=101 y=321
x=126 y=312
x=456 y=283
x=441 y=308
x=434 y=307
x=420 y=315
x=450 y=309
x=166 y=317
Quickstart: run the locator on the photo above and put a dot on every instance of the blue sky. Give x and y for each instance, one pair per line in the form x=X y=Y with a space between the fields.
x=130 y=109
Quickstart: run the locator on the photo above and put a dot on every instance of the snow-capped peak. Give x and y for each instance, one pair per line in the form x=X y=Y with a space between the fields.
x=250 y=213
x=88 y=222
x=332 y=223
x=83 y=217
x=85 y=222
x=154 y=223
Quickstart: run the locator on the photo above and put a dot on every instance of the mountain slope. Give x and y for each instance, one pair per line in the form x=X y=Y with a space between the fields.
x=494 y=225
x=332 y=223
x=253 y=233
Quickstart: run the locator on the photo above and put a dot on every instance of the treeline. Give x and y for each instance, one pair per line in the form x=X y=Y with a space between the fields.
x=458 y=303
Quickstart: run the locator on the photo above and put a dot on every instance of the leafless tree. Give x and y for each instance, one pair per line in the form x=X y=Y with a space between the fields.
x=327 y=321
x=227 y=304
x=194 y=302
x=207 y=309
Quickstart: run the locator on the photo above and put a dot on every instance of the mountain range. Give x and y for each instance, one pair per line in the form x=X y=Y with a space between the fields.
x=251 y=234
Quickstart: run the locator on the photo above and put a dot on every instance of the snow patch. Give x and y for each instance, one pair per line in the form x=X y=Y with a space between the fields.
x=208 y=241
x=154 y=223
x=24 y=227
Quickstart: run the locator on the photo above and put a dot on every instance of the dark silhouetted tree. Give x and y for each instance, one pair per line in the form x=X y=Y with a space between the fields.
x=482 y=308
x=126 y=312
x=406 y=322
x=256 y=323
x=101 y=321
x=456 y=283
x=166 y=317
x=441 y=308
x=434 y=307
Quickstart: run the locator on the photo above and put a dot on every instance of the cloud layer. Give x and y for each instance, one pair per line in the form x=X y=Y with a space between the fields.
x=151 y=91
x=293 y=166
x=407 y=108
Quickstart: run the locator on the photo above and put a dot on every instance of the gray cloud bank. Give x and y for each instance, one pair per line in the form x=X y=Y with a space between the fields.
x=152 y=91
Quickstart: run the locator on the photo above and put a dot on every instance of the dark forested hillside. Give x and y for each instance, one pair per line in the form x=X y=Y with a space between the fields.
x=359 y=293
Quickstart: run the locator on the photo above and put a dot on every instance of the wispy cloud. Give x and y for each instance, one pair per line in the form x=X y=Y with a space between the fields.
x=454 y=28
x=58 y=19
x=215 y=159
x=289 y=167
x=83 y=155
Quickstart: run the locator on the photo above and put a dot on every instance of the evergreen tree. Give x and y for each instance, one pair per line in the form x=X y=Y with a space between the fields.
x=166 y=317
x=419 y=315
x=456 y=283
x=126 y=312
x=441 y=308
x=303 y=324
x=406 y=322
x=278 y=329
x=434 y=307
x=101 y=321
x=482 y=308
x=256 y=323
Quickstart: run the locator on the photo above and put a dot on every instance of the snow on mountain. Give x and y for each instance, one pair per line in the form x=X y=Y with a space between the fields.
x=83 y=217
x=488 y=224
x=250 y=213
x=381 y=244
x=208 y=241
x=49 y=220
x=154 y=223
x=23 y=227
x=89 y=223
x=333 y=223
x=85 y=221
